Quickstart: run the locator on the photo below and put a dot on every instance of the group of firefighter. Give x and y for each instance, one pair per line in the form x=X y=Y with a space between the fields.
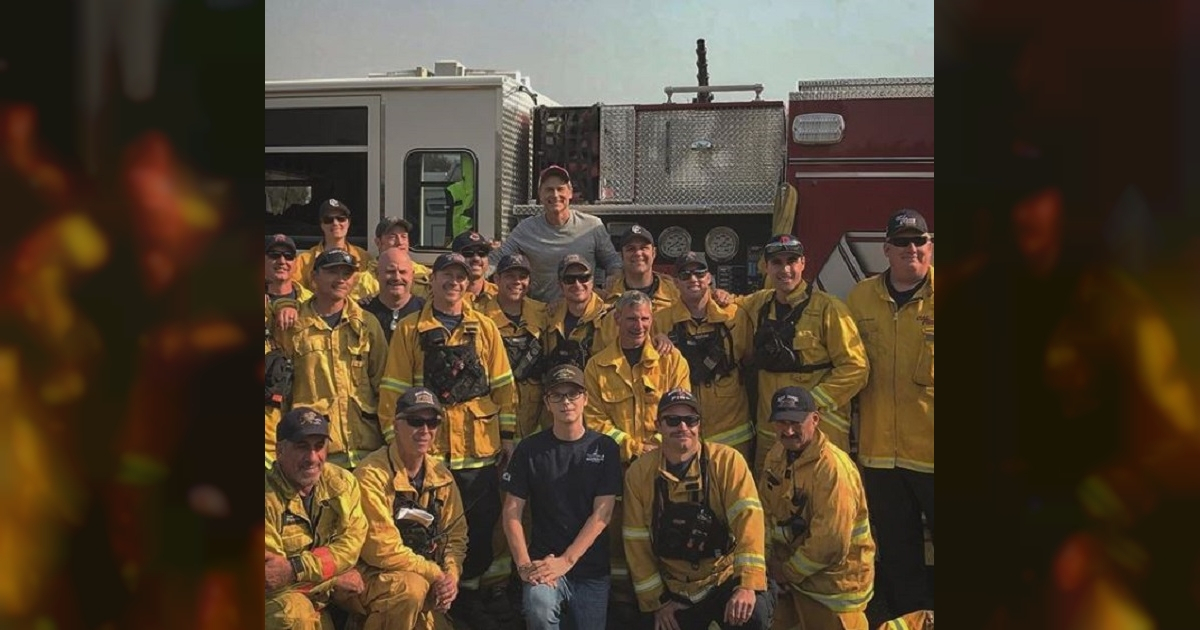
x=432 y=435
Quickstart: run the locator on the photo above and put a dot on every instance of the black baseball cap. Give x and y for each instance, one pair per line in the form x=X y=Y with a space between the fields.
x=470 y=238
x=906 y=222
x=513 y=261
x=417 y=399
x=335 y=258
x=332 y=207
x=450 y=259
x=691 y=259
x=300 y=423
x=281 y=242
x=387 y=223
x=565 y=373
x=792 y=404
x=783 y=244
x=637 y=231
x=678 y=396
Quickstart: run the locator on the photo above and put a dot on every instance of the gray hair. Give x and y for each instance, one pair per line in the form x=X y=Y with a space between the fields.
x=632 y=298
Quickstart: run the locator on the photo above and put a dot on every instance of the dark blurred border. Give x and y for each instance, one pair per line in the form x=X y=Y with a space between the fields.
x=196 y=571
x=1112 y=86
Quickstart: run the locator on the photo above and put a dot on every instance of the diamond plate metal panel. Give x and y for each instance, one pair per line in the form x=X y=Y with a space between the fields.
x=516 y=155
x=838 y=89
x=618 y=126
x=718 y=157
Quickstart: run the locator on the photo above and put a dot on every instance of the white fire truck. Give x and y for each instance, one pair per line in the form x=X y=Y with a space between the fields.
x=454 y=148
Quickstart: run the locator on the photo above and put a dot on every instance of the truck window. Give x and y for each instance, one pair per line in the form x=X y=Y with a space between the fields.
x=440 y=196
x=313 y=154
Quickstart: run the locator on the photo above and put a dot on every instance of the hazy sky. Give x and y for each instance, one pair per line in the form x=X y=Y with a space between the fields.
x=612 y=51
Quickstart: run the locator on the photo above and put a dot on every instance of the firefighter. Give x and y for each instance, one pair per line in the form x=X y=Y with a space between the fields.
x=894 y=314
x=625 y=381
x=628 y=377
x=571 y=477
x=335 y=226
x=716 y=343
x=285 y=294
x=339 y=352
x=546 y=238
x=806 y=337
x=578 y=327
x=458 y=353
x=417 y=539
x=637 y=265
x=314 y=525
x=392 y=232
x=475 y=249
x=283 y=298
x=396 y=299
x=522 y=321
x=821 y=552
x=693 y=530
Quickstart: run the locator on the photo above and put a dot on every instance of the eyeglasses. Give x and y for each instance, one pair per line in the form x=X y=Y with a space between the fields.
x=557 y=397
x=905 y=241
x=474 y=253
x=283 y=255
x=673 y=421
x=417 y=422
x=698 y=272
x=341 y=218
x=582 y=278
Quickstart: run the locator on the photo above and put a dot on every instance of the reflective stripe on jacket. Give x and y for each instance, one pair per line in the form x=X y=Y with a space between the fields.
x=731 y=496
x=896 y=406
x=470 y=435
x=832 y=558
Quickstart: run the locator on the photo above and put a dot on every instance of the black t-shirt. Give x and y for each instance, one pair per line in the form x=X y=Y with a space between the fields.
x=561 y=480
x=649 y=291
x=333 y=319
x=569 y=323
x=633 y=356
x=449 y=321
x=902 y=297
x=388 y=319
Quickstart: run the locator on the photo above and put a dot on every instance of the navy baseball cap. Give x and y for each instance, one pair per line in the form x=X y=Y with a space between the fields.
x=783 y=244
x=513 y=261
x=637 y=231
x=281 y=242
x=451 y=259
x=571 y=260
x=390 y=222
x=417 y=399
x=691 y=259
x=906 y=222
x=332 y=207
x=300 y=423
x=470 y=238
x=565 y=373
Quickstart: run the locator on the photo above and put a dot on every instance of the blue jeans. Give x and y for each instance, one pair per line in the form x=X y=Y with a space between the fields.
x=580 y=604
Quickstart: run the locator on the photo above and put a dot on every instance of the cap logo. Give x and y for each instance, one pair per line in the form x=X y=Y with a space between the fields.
x=787 y=401
x=423 y=398
x=906 y=221
x=562 y=375
x=335 y=203
x=309 y=418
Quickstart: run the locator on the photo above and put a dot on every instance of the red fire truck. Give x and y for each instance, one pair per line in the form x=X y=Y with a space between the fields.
x=713 y=176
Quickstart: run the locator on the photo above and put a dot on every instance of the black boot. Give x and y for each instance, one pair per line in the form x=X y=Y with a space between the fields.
x=468 y=612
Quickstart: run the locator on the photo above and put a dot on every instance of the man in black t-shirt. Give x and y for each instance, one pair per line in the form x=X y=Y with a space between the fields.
x=395 y=300
x=571 y=476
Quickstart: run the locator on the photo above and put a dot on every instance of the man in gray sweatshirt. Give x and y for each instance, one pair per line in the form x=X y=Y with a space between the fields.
x=544 y=239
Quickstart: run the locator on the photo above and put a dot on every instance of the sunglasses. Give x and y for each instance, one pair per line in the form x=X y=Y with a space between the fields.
x=673 y=421
x=582 y=278
x=557 y=397
x=417 y=422
x=905 y=241
x=283 y=255
x=474 y=253
x=338 y=218
x=692 y=273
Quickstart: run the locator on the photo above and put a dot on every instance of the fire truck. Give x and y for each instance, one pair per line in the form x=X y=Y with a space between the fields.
x=454 y=148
